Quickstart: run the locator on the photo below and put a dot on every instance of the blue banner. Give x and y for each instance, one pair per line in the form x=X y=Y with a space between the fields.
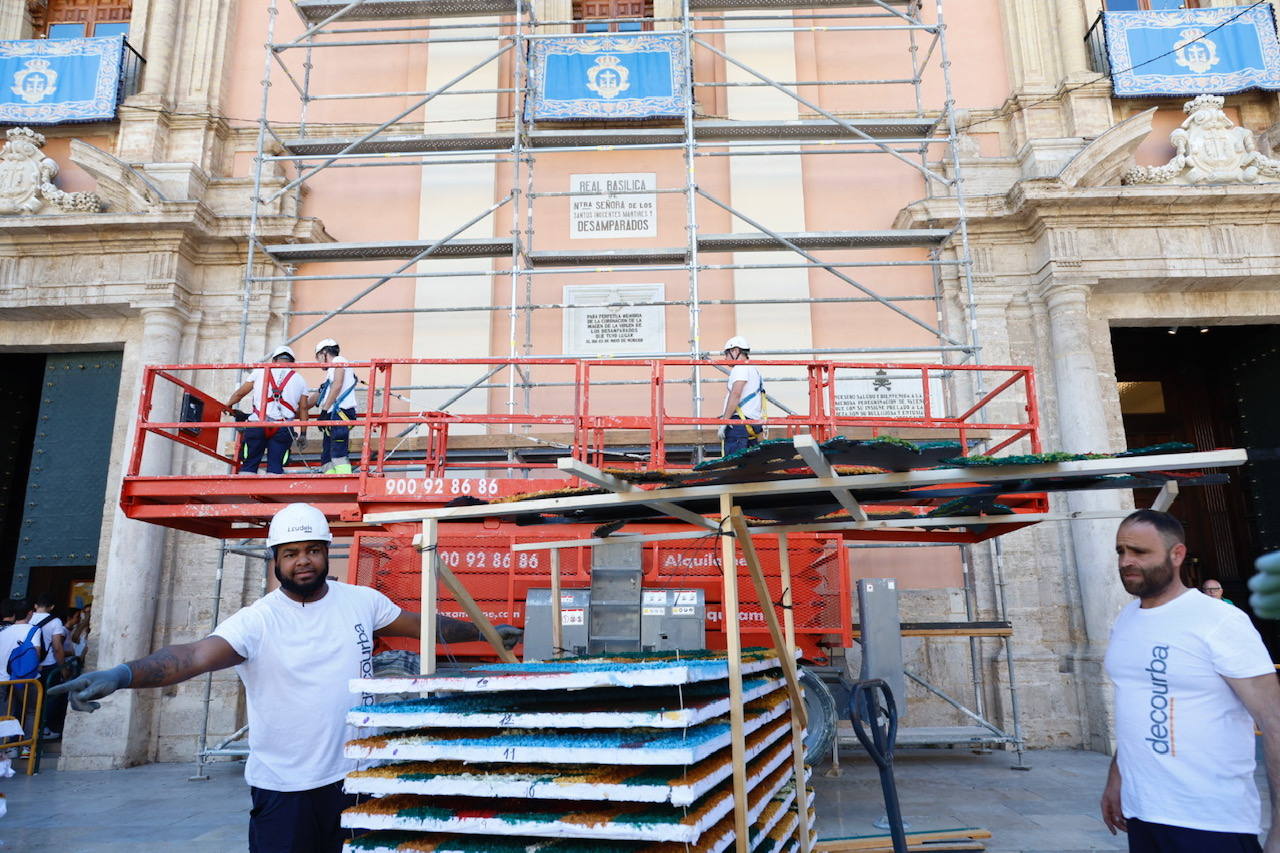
x=50 y=81
x=614 y=76
x=1192 y=51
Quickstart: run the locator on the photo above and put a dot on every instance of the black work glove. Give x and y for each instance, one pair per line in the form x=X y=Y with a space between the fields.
x=510 y=634
x=239 y=415
x=94 y=685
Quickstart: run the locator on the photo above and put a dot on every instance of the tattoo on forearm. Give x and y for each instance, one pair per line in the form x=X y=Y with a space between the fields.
x=450 y=630
x=167 y=666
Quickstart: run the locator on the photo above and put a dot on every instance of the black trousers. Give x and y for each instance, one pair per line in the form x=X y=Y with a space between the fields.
x=298 y=821
x=1159 y=838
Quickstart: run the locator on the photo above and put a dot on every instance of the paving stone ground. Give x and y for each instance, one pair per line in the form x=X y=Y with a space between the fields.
x=1050 y=809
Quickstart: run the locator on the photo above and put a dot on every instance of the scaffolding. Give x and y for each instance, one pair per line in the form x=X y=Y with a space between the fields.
x=293 y=153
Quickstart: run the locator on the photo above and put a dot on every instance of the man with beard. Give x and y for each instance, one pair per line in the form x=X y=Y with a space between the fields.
x=1192 y=677
x=295 y=649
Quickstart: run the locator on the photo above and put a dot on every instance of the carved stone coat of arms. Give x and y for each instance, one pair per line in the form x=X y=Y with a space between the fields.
x=26 y=179
x=1209 y=149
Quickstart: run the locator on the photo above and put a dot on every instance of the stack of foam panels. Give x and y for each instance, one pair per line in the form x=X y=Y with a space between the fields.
x=623 y=754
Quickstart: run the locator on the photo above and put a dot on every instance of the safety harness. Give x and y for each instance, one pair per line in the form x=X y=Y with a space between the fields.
x=273 y=392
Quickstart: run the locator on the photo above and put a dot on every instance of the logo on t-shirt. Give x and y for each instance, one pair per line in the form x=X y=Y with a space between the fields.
x=1161 y=712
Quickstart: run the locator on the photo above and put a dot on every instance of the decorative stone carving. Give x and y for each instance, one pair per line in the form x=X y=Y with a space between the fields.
x=26 y=179
x=1210 y=149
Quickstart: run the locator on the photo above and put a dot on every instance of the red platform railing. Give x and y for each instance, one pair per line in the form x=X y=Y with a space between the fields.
x=621 y=413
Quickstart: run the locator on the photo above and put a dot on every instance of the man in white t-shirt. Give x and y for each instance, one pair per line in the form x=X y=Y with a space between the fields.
x=337 y=401
x=1192 y=678
x=743 y=399
x=295 y=649
x=277 y=396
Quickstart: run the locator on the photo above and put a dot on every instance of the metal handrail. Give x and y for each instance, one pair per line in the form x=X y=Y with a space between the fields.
x=589 y=425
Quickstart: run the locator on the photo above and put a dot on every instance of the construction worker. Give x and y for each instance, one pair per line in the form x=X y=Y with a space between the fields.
x=337 y=401
x=295 y=649
x=277 y=396
x=743 y=401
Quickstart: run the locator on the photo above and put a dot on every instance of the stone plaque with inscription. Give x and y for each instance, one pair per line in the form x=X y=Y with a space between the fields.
x=604 y=319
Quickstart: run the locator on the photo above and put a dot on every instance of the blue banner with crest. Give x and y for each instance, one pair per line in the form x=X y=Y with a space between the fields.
x=51 y=81
x=1192 y=51
x=629 y=76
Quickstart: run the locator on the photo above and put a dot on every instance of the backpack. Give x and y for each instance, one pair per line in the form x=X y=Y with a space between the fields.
x=24 y=660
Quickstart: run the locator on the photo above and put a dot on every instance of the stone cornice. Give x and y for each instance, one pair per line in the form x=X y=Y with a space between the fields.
x=1046 y=198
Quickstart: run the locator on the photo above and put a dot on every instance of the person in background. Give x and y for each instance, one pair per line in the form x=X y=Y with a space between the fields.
x=277 y=396
x=54 y=635
x=743 y=399
x=1213 y=589
x=78 y=632
x=337 y=401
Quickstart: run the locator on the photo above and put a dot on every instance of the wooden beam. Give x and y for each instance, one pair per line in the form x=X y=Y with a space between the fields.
x=1164 y=500
x=789 y=670
x=877 y=842
x=475 y=613
x=797 y=727
x=733 y=648
x=430 y=558
x=583 y=471
x=899 y=479
x=809 y=451
x=1018 y=519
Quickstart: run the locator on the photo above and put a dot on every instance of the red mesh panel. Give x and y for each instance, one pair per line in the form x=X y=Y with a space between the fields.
x=499 y=580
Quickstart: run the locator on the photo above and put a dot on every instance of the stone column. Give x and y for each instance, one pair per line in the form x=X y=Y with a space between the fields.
x=119 y=733
x=1082 y=428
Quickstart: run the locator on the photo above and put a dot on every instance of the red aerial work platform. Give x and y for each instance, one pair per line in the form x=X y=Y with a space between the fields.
x=448 y=456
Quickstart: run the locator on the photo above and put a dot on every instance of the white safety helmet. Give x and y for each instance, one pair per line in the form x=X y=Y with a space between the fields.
x=737 y=342
x=325 y=344
x=283 y=349
x=298 y=523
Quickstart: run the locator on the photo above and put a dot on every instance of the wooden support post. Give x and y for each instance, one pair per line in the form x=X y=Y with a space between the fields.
x=789 y=671
x=797 y=729
x=475 y=613
x=427 y=650
x=557 y=627
x=733 y=647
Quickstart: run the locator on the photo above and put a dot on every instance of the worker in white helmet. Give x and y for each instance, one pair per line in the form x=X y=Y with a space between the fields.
x=295 y=649
x=743 y=400
x=277 y=396
x=337 y=401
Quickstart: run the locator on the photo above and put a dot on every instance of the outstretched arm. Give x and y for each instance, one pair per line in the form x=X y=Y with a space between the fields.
x=170 y=665
x=174 y=664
